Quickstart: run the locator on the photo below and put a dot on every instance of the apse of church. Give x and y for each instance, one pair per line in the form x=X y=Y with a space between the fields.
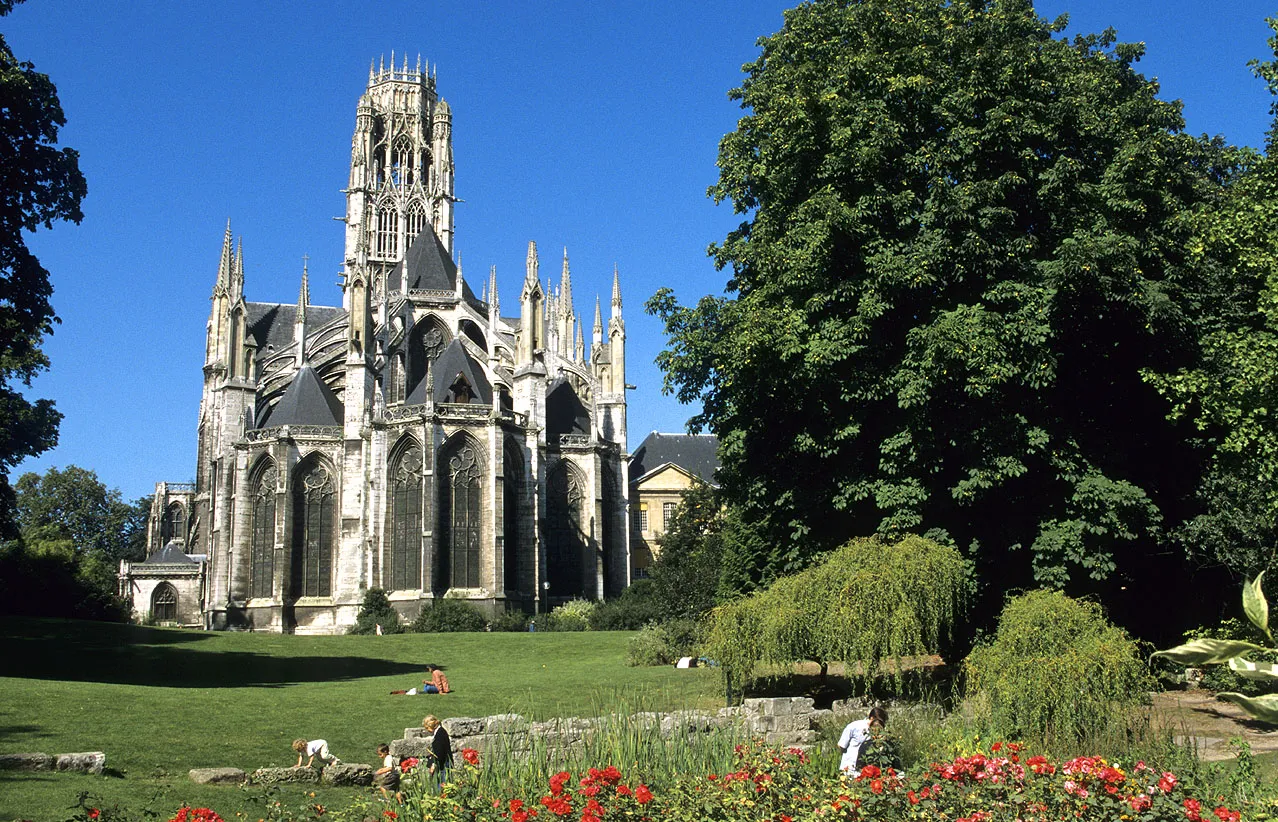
x=412 y=439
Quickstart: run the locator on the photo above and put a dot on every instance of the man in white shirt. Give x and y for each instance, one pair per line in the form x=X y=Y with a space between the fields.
x=854 y=737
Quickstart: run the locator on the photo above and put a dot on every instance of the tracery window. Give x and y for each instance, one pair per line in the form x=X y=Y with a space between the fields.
x=565 y=501
x=164 y=603
x=173 y=524
x=427 y=343
x=262 y=533
x=461 y=517
x=386 y=237
x=405 y=519
x=314 y=527
x=416 y=222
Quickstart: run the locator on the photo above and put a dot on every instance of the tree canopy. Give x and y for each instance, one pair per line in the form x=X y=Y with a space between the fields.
x=964 y=241
x=39 y=184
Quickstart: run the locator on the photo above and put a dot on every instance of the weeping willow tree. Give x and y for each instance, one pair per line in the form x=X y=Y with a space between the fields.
x=869 y=605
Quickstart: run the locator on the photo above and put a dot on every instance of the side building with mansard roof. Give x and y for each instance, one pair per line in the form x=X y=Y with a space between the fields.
x=662 y=469
x=411 y=439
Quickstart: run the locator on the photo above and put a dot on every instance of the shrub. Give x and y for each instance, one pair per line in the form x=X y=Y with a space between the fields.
x=376 y=610
x=868 y=603
x=511 y=621
x=635 y=608
x=449 y=616
x=1056 y=671
x=662 y=643
x=573 y=615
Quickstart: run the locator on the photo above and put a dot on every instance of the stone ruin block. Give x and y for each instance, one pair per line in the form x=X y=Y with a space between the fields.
x=460 y=726
x=419 y=747
x=26 y=762
x=506 y=723
x=348 y=774
x=88 y=762
x=216 y=776
x=416 y=733
x=275 y=776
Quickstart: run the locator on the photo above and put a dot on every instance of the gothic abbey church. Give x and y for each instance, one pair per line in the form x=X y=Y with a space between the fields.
x=414 y=439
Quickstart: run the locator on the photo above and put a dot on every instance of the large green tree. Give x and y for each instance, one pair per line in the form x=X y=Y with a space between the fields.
x=1231 y=392
x=964 y=239
x=39 y=184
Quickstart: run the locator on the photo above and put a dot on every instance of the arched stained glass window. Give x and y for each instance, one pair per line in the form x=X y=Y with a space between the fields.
x=314 y=529
x=386 y=236
x=565 y=505
x=404 y=526
x=164 y=603
x=416 y=222
x=461 y=521
x=262 y=532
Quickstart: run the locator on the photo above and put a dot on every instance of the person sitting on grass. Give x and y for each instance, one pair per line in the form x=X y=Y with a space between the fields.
x=314 y=748
x=387 y=777
x=437 y=684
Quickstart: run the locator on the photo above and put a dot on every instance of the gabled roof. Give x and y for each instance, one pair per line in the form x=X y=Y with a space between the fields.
x=565 y=413
x=272 y=323
x=698 y=454
x=429 y=267
x=306 y=401
x=170 y=554
x=455 y=360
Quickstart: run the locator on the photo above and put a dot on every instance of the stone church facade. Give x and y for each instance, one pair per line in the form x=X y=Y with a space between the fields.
x=411 y=439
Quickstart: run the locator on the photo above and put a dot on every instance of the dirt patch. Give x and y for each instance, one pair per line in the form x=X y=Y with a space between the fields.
x=1197 y=718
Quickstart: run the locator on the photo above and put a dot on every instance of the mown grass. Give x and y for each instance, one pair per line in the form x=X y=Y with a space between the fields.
x=160 y=702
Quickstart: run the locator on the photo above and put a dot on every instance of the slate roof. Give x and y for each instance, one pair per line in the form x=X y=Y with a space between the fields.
x=306 y=401
x=429 y=267
x=272 y=323
x=696 y=453
x=455 y=360
x=565 y=413
x=170 y=554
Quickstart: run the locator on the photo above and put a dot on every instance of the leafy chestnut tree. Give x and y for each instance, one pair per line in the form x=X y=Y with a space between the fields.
x=39 y=184
x=962 y=244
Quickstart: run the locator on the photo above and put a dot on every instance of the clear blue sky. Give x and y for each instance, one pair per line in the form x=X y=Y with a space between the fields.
x=587 y=125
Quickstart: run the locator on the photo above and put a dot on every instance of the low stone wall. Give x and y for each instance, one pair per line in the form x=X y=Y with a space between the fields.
x=347 y=773
x=781 y=721
x=87 y=762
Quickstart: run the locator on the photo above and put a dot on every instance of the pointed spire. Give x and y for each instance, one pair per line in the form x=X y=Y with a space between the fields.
x=598 y=327
x=580 y=349
x=381 y=65
x=392 y=63
x=419 y=64
x=224 y=264
x=616 y=290
x=565 y=285
x=299 y=321
x=304 y=294
x=370 y=71
x=406 y=62
x=492 y=290
x=237 y=273
x=457 y=286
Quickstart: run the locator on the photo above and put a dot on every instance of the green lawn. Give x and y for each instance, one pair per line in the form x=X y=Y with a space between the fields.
x=160 y=701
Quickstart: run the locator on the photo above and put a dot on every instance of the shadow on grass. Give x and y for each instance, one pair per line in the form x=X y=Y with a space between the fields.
x=133 y=655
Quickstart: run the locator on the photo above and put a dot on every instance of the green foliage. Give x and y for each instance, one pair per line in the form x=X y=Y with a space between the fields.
x=638 y=605
x=573 y=615
x=950 y=272
x=376 y=610
x=42 y=185
x=1230 y=392
x=663 y=643
x=73 y=533
x=1220 y=677
x=447 y=616
x=1056 y=671
x=511 y=621
x=686 y=573
x=867 y=603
